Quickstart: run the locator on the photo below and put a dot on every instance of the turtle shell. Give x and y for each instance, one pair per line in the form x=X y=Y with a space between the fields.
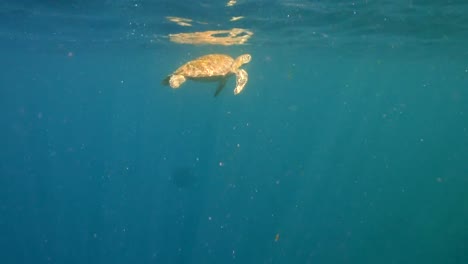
x=212 y=65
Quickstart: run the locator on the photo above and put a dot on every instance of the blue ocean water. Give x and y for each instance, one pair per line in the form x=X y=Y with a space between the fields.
x=349 y=143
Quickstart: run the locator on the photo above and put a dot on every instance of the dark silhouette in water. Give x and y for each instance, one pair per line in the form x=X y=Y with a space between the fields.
x=184 y=177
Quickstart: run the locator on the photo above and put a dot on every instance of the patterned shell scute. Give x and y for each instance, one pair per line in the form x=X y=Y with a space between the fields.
x=207 y=66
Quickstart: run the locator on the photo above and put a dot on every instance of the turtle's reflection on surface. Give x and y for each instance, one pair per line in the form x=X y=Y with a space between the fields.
x=235 y=36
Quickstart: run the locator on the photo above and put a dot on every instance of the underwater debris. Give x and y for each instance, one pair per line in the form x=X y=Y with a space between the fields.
x=185 y=22
x=231 y=3
x=236 y=18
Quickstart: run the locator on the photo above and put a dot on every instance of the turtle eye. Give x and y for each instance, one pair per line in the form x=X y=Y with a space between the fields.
x=247 y=58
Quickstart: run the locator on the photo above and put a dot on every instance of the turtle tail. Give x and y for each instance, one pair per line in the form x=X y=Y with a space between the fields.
x=166 y=80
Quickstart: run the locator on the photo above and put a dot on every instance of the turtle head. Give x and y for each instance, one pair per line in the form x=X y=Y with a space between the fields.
x=241 y=60
x=244 y=58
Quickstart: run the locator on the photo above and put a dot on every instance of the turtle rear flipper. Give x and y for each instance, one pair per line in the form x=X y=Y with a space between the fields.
x=221 y=85
x=166 y=80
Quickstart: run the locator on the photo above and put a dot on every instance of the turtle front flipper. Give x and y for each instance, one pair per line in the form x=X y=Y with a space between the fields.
x=221 y=85
x=241 y=79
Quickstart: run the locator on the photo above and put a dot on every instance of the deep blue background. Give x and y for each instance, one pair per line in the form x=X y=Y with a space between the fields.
x=350 y=140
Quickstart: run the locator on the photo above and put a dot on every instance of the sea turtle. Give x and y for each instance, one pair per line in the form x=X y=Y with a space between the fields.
x=212 y=67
